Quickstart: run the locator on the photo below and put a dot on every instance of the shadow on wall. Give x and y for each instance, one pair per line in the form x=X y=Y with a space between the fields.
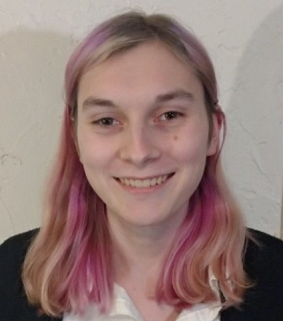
x=255 y=126
x=31 y=103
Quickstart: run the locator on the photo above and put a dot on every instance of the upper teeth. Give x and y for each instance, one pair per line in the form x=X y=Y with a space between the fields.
x=143 y=182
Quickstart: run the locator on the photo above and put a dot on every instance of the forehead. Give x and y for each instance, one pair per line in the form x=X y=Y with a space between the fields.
x=147 y=69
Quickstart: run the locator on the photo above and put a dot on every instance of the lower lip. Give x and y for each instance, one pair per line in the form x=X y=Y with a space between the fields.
x=144 y=190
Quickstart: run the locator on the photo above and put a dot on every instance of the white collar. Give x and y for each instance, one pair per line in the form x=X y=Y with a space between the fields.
x=124 y=309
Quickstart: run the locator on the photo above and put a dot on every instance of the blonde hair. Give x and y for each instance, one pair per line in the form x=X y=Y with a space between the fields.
x=69 y=263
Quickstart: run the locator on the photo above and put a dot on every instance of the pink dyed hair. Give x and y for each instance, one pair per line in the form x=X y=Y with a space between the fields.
x=68 y=264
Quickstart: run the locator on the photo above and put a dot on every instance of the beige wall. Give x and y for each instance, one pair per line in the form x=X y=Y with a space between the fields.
x=245 y=40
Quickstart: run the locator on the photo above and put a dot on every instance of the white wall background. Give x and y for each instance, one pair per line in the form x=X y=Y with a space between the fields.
x=245 y=40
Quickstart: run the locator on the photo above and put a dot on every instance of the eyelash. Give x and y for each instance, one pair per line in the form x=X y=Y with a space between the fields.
x=101 y=122
x=176 y=114
x=104 y=122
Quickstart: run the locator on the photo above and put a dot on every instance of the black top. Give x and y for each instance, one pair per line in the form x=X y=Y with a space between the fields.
x=262 y=302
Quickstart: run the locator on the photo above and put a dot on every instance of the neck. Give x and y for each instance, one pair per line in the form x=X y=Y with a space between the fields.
x=137 y=249
x=138 y=254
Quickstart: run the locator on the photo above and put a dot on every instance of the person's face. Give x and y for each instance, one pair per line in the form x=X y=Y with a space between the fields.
x=142 y=134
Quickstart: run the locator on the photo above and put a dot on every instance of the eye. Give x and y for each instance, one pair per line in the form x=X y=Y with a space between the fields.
x=170 y=115
x=106 y=122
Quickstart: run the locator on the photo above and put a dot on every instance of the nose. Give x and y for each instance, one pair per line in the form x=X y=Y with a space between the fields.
x=139 y=146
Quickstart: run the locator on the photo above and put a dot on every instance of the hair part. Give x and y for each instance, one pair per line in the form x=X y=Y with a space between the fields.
x=69 y=262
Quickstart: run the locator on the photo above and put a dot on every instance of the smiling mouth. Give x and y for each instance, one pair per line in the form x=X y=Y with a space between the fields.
x=145 y=183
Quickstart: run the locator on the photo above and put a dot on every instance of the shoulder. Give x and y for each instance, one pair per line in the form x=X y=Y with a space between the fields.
x=13 y=250
x=265 y=240
x=13 y=302
x=263 y=263
x=12 y=253
x=18 y=243
x=264 y=256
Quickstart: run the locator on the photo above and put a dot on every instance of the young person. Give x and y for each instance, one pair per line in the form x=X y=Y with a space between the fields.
x=138 y=222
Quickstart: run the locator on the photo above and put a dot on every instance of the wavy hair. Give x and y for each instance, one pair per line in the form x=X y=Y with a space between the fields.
x=68 y=264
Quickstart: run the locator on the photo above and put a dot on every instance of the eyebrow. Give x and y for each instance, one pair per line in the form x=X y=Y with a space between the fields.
x=175 y=94
x=94 y=101
x=171 y=95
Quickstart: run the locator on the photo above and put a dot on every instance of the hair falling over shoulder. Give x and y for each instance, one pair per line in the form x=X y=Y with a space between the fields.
x=69 y=264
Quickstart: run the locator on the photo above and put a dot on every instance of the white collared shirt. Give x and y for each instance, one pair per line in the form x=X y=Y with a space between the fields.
x=125 y=310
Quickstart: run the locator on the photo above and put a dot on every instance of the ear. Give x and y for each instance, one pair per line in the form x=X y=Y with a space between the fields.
x=217 y=122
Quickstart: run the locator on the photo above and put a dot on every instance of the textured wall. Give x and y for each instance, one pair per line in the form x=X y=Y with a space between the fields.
x=245 y=40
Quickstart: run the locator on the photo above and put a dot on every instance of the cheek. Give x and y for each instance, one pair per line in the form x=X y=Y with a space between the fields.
x=191 y=145
x=193 y=154
x=93 y=154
